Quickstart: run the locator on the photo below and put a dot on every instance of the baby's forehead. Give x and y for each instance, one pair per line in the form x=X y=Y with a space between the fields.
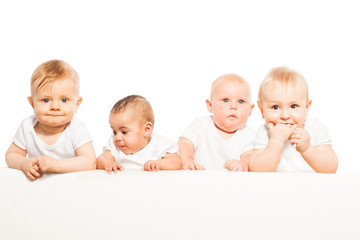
x=279 y=90
x=38 y=87
x=220 y=85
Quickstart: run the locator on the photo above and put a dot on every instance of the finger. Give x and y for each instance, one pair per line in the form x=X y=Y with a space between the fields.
x=192 y=167
x=186 y=167
x=146 y=167
x=107 y=169
x=293 y=127
x=270 y=125
x=199 y=167
x=35 y=174
x=36 y=168
x=157 y=167
x=119 y=167
x=30 y=176
x=240 y=169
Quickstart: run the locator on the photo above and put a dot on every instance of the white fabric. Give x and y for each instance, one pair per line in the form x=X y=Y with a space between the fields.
x=291 y=160
x=211 y=150
x=74 y=136
x=155 y=150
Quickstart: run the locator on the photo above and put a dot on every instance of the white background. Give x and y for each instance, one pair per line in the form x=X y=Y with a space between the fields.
x=171 y=51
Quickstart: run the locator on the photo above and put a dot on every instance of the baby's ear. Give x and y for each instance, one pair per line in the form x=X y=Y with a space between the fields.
x=78 y=102
x=30 y=100
x=148 y=127
x=251 y=109
x=308 y=104
x=209 y=105
x=261 y=108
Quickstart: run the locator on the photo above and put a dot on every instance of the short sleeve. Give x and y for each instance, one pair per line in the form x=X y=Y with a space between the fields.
x=80 y=133
x=19 y=138
x=110 y=146
x=194 y=131
x=318 y=132
x=261 y=137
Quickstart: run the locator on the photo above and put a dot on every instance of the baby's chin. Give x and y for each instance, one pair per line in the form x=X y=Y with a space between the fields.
x=230 y=129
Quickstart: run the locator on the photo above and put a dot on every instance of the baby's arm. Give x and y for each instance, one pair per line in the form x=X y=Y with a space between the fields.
x=84 y=159
x=171 y=161
x=186 y=151
x=107 y=161
x=16 y=158
x=267 y=159
x=321 y=158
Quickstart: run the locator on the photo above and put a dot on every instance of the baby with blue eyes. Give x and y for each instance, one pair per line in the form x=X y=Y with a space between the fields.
x=52 y=140
x=222 y=139
x=289 y=141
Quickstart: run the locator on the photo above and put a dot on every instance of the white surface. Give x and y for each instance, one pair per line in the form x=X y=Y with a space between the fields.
x=180 y=205
x=171 y=51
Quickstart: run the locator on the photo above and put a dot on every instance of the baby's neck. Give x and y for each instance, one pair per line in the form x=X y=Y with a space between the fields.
x=224 y=134
x=49 y=134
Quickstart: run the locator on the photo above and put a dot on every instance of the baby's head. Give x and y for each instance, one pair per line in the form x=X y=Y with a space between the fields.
x=284 y=97
x=132 y=121
x=55 y=93
x=230 y=102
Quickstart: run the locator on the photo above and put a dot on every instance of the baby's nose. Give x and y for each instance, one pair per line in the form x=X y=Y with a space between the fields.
x=284 y=114
x=55 y=105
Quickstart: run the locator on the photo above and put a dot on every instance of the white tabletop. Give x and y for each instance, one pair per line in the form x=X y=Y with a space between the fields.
x=180 y=205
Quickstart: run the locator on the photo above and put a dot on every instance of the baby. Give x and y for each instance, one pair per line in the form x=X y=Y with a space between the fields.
x=132 y=143
x=219 y=140
x=289 y=141
x=53 y=139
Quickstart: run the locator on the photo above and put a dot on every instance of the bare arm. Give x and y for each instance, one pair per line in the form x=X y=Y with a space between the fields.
x=107 y=161
x=187 y=151
x=16 y=158
x=171 y=161
x=321 y=158
x=84 y=160
x=267 y=159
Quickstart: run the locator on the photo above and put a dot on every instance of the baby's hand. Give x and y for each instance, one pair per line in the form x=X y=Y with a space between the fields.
x=31 y=169
x=152 y=165
x=235 y=165
x=301 y=138
x=192 y=166
x=47 y=164
x=112 y=166
x=281 y=132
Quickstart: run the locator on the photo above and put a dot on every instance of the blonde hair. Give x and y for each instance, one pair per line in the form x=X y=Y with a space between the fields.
x=140 y=108
x=52 y=71
x=228 y=78
x=284 y=77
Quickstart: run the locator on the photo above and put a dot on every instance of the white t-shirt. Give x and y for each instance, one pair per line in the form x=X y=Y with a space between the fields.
x=154 y=150
x=291 y=160
x=211 y=150
x=74 y=136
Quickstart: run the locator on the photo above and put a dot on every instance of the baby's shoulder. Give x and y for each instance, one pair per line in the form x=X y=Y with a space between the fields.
x=313 y=124
x=203 y=122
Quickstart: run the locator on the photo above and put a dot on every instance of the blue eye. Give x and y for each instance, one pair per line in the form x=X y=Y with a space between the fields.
x=64 y=100
x=275 y=107
x=45 y=100
x=225 y=100
x=241 y=101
